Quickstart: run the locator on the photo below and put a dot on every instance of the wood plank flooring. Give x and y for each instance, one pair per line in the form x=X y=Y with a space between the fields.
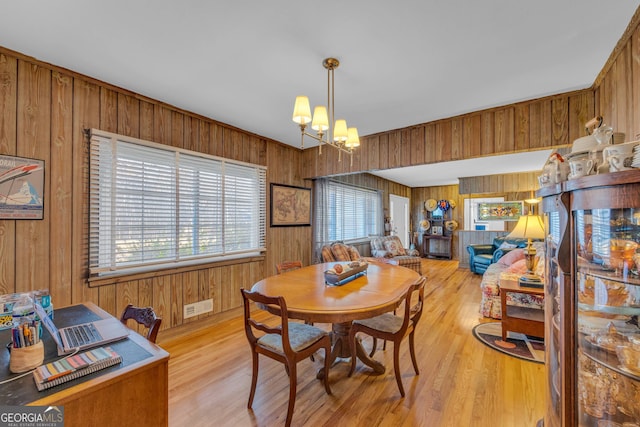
x=461 y=383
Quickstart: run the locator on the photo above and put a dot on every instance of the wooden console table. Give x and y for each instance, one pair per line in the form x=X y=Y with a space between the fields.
x=444 y=243
x=133 y=393
x=529 y=321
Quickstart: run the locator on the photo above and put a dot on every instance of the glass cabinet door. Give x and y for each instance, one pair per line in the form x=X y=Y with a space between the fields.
x=557 y=278
x=607 y=283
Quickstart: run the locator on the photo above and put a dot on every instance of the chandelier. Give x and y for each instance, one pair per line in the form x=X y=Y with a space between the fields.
x=344 y=139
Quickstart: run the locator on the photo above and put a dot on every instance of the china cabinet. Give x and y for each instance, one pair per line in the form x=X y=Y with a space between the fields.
x=592 y=300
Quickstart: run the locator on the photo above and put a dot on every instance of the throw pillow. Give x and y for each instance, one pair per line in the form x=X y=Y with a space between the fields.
x=340 y=252
x=327 y=256
x=507 y=245
x=393 y=247
x=519 y=267
x=511 y=257
x=354 y=255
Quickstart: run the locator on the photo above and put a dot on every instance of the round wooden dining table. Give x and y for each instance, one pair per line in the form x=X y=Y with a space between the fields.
x=308 y=298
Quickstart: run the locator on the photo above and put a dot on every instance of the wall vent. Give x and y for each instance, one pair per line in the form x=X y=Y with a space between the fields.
x=196 y=308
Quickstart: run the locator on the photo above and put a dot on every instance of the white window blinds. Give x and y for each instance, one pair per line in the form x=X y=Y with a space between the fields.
x=154 y=205
x=345 y=212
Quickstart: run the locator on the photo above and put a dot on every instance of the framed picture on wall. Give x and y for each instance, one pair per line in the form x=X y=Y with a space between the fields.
x=21 y=188
x=500 y=211
x=290 y=206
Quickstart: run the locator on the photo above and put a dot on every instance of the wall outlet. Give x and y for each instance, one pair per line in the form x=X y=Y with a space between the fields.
x=196 y=308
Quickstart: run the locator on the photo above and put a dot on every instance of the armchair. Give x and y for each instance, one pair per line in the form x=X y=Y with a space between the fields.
x=338 y=251
x=390 y=247
x=481 y=256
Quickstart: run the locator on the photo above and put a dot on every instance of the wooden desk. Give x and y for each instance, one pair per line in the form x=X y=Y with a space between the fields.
x=529 y=321
x=309 y=299
x=133 y=393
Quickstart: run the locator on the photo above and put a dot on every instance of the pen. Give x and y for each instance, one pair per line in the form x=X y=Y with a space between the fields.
x=58 y=375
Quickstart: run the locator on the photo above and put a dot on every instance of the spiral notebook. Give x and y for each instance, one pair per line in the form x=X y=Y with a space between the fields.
x=74 y=366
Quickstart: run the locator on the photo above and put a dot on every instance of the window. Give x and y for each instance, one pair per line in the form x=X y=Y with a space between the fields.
x=345 y=212
x=153 y=205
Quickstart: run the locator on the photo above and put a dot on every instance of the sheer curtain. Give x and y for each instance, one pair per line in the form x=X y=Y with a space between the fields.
x=344 y=212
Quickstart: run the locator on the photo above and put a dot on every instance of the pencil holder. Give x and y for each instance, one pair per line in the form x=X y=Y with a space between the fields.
x=26 y=358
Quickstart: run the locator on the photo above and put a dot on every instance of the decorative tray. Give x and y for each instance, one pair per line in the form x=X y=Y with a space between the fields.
x=350 y=271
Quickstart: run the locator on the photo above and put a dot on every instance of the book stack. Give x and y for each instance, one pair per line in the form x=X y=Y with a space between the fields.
x=74 y=366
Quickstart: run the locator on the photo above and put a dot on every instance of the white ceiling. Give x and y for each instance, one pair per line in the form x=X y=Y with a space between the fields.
x=402 y=63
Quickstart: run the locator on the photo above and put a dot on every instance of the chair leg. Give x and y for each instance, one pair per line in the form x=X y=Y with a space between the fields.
x=327 y=365
x=352 y=350
x=413 y=353
x=374 y=346
x=396 y=366
x=293 y=382
x=254 y=379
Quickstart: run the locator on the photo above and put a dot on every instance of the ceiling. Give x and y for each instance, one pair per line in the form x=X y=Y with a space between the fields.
x=402 y=63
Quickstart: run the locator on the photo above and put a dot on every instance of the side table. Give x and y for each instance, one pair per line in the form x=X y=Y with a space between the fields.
x=529 y=321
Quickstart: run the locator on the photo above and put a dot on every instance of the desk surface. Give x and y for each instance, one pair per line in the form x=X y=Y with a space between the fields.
x=308 y=298
x=138 y=354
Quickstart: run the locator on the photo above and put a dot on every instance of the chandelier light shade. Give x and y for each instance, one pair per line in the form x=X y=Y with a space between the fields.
x=341 y=137
x=301 y=110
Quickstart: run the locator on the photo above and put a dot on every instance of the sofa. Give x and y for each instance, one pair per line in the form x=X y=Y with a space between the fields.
x=391 y=250
x=481 y=256
x=510 y=266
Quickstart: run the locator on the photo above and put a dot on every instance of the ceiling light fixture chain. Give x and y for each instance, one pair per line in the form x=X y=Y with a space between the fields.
x=344 y=139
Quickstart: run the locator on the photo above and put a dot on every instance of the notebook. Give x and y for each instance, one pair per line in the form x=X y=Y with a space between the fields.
x=84 y=335
x=76 y=366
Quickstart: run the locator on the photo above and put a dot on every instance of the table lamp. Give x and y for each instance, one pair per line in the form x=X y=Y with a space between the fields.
x=529 y=227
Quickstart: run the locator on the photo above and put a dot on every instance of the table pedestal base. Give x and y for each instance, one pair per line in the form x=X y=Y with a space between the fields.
x=340 y=350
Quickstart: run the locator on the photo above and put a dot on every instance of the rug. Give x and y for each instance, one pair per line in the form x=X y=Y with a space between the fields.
x=517 y=345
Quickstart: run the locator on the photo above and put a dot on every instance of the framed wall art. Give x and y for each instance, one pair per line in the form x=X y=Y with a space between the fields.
x=500 y=211
x=290 y=206
x=21 y=188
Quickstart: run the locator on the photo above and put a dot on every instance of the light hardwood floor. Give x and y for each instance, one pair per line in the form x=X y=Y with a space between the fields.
x=461 y=383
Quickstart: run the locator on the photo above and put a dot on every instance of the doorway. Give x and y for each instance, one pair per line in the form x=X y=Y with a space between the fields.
x=399 y=213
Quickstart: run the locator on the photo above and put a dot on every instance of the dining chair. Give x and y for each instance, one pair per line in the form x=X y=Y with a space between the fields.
x=285 y=266
x=286 y=342
x=394 y=328
x=143 y=316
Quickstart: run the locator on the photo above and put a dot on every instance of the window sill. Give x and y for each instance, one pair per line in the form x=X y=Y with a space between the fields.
x=114 y=279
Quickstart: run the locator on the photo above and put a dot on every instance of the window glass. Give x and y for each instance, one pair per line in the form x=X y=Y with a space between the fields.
x=154 y=205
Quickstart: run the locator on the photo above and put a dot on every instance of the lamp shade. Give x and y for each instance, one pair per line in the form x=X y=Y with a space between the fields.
x=301 y=110
x=320 y=121
x=340 y=131
x=529 y=227
x=353 y=140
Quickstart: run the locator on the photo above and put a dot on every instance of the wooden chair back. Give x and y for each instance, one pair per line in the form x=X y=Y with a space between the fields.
x=143 y=316
x=285 y=266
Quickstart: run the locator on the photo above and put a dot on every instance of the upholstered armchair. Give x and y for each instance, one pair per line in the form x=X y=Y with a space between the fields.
x=339 y=252
x=481 y=256
x=390 y=248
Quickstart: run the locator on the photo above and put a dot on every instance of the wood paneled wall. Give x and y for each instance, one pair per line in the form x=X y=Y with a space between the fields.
x=44 y=111
x=617 y=87
x=533 y=125
x=452 y=193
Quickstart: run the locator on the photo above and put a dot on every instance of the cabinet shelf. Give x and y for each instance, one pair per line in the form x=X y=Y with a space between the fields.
x=609 y=309
x=605 y=358
x=596 y=270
